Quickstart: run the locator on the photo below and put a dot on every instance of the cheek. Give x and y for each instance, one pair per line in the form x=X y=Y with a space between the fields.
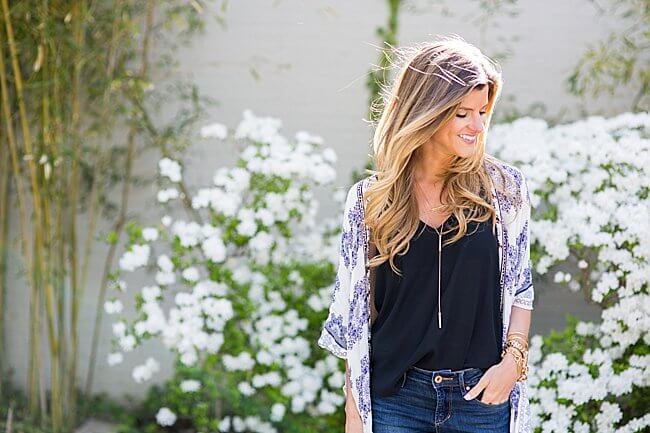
x=450 y=130
x=456 y=126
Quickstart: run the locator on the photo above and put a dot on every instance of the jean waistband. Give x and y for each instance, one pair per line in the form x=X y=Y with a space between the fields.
x=444 y=376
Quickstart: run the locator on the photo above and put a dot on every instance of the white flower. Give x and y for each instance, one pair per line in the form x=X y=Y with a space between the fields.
x=150 y=293
x=113 y=307
x=329 y=155
x=190 y=234
x=170 y=169
x=127 y=342
x=150 y=234
x=244 y=361
x=189 y=358
x=214 y=249
x=118 y=285
x=191 y=274
x=165 y=417
x=164 y=263
x=610 y=413
x=247 y=228
x=246 y=389
x=238 y=424
x=277 y=412
x=119 y=329
x=165 y=278
x=144 y=372
x=190 y=385
x=136 y=257
x=210 y=288
x=166 y=220
x=164 y=195
x=224 y=424
x=214 y=130
x=115 y=358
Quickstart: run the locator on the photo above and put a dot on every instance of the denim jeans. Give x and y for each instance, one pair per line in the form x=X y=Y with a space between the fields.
x=432 y=401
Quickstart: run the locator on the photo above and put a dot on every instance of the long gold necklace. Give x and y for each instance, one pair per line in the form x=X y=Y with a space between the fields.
x=433 y=209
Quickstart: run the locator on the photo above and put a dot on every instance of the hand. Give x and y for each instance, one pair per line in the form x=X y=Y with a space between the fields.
x=353 y=422
x=497 y=382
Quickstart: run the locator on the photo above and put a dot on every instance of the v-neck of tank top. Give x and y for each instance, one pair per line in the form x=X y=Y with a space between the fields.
x=437 y=229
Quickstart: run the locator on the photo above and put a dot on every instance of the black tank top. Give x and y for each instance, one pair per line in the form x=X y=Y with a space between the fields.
x=405 y=331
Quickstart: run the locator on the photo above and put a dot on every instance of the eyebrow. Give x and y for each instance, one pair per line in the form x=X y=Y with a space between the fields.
x=471 y=109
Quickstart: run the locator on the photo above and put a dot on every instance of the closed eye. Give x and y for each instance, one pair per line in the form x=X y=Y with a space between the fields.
x=462 y=116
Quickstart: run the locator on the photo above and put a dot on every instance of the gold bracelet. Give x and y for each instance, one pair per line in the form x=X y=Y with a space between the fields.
x=518 y=333
x=517 y=356
x=521 y=360
x=518 y=338
x=517 y=344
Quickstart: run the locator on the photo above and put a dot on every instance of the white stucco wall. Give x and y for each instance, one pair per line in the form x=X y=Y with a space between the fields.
x=311 y=60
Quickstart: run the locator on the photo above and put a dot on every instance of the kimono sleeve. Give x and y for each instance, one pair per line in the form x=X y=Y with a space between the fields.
x=524 y=291
x=333 y=336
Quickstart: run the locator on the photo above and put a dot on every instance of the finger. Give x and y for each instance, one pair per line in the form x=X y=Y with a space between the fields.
x=493 y=399
x=476 y=390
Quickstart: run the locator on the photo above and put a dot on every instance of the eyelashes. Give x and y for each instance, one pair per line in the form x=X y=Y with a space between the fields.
x=465 y=115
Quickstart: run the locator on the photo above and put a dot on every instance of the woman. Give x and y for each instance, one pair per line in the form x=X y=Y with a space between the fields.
x=433 y=295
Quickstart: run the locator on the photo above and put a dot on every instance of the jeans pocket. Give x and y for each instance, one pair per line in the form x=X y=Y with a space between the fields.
x=470 y=381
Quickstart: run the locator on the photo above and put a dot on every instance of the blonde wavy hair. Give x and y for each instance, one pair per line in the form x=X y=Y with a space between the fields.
x=432 y=80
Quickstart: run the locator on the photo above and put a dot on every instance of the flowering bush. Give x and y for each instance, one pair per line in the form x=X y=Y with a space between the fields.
x=251 y=273
x=590 y=188
x=249 y=278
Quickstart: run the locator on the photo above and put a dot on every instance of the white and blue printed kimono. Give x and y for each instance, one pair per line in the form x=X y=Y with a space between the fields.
x=346 y=331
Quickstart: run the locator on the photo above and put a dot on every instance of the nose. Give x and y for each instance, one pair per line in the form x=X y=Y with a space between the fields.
x=477 y=124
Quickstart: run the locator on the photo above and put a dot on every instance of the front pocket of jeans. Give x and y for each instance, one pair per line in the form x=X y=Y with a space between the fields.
x=491 y=406
x=472 y=382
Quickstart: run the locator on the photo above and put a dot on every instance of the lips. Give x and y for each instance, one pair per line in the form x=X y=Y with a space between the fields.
x=469 y=139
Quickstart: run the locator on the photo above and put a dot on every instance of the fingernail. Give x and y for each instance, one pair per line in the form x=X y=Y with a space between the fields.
x=466 y=396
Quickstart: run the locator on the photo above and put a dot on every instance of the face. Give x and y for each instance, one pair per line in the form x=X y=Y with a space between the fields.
x=459 y=136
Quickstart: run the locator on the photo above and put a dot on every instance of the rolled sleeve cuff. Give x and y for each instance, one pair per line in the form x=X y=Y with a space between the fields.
x=327 y=341
x=525 y=299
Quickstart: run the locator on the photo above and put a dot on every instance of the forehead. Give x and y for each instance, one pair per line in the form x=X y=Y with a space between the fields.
x=477 y=97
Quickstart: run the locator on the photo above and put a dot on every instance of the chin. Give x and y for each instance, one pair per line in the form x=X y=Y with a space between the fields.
x=465 y=153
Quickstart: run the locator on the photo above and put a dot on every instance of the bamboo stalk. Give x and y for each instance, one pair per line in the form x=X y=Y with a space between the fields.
x=73 y=189
x=4 y=247
x=34 y=368
x=121 y=220
x=97 y=180
x=10 y=415
x=39 y=215
x=52 y=256
x=57 y=189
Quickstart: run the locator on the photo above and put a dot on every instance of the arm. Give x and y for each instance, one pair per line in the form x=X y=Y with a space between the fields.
x=520 y=322
x=522 y=307
x=524 y=291
x=352 y=416
x=333 y=336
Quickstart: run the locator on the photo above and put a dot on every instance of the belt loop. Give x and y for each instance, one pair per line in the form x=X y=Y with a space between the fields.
x=461 y=381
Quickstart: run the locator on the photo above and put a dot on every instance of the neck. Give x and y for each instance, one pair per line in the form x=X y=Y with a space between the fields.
x=431 y=165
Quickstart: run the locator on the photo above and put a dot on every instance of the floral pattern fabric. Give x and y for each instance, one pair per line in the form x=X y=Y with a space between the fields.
x=346 y=331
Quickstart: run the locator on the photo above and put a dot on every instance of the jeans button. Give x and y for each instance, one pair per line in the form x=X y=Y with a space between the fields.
x=437 y=379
